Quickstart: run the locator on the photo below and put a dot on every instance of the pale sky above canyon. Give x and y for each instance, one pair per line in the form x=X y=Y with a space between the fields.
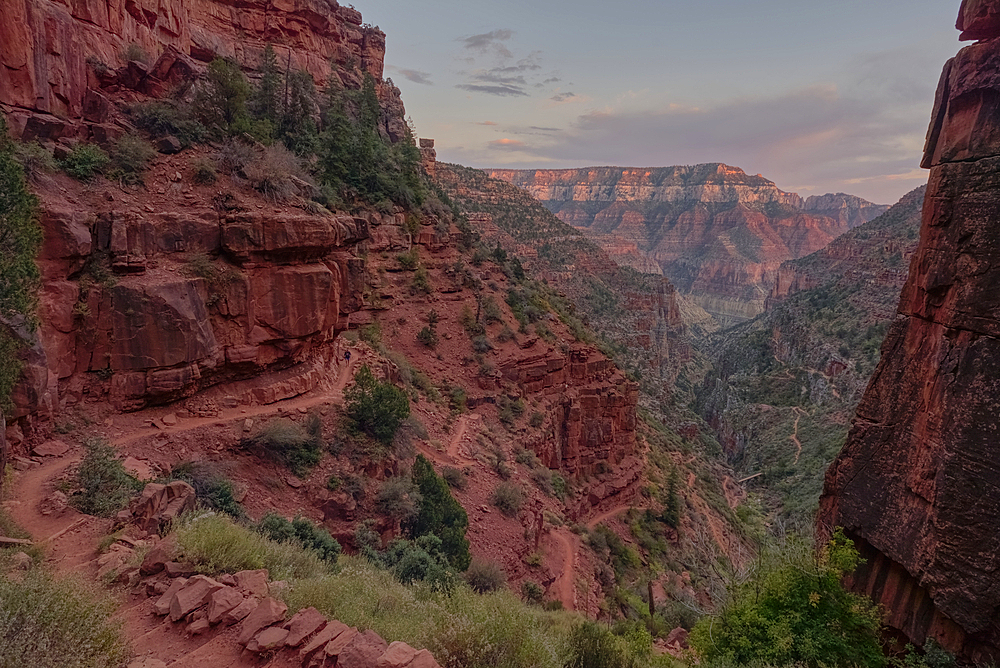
x=817 y=96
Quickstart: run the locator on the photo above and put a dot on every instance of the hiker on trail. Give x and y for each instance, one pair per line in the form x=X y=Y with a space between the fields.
x=347 y=356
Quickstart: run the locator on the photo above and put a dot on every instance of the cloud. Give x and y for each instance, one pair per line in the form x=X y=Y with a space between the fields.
x=486 y=123
x=489 y=41
x=563 y=97
x=507 y=144
x=499 y=90
x=416 y=76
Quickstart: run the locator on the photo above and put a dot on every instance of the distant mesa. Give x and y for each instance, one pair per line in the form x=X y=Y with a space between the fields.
x=718 y=233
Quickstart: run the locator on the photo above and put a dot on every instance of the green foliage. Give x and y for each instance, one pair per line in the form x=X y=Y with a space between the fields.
x=20 y=240
x=213 y=489
x=454 y=477
x=163 y=117
x=484 y=576
x=221 y=103
x=204 y=172
x=134 y=51
x=399 y=499
x=794 y=609
x=592 y=645
x=105 y=487
x=375 y=408
x=131 y=156
x=85 y=162
x=409 y=260
x=420 y=560
x=216 y=544
x=297 y=446
x=440 y=514
x=276 y=173
x=301 y=532
x=35 y=159
x=49 y=623
x=508 y=498
x=428 y=337
x=671 y=500
x=353 y=156
x=421 y=280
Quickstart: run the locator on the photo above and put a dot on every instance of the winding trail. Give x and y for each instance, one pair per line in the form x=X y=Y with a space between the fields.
x=608 y=514
x=564 y=585
x=795 y=432
x=334 y=395
x=456 y=439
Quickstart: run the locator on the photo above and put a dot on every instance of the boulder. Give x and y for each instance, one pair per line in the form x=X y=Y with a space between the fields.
x=158 y=505
x=303 y=624
x=194 y=594
x=401 y=655
x=363 y=651
x=53 y=504
x=221 y=601
x=51 y=449
x=168 y=145
x=269 y=639
x=323 y=637
x=162 y=605
x=979 y=19
x=239 y=613
x=269 y=611
x=253 y=582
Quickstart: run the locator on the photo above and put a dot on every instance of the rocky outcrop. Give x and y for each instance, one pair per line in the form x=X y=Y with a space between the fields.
x=916 y=482
x=717 y=233
x=848 y=209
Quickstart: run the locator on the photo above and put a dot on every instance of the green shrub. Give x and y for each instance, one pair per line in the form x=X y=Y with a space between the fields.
x=52 y=623
x=302 y=532
x=440 y=514
x=216 y=544
x=399 y=499
x=481 y=344
x=491 y=310
x=420 y=560
x=794 y=609
x=203 y=172
x=276 y=173
x=508 y=498
x=409 y=260
x=161 y=118
x=592 y=645
x=105 y=487
x=85 y=162
x=213 y=489
x=220 y=102
x=421 y=280
x=537 y=419
x=484 y=576
x=532 y=592
x=20 y=240
x=131 y=156
x=375 y=408
x=296 y=446
x=428 y=337
x=134 y=51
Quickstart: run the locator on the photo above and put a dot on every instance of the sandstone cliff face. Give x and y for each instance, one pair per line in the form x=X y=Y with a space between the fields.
x=638 y=312
x=916 y=481
x=717 y=233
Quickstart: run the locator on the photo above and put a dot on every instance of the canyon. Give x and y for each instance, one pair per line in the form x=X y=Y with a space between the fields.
x=718 y=234
x=915 y=484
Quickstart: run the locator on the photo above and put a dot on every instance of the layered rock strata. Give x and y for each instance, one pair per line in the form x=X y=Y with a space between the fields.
x=717 y=233
x=916 y=483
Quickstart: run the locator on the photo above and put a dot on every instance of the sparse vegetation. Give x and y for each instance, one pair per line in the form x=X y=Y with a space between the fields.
x=214 y=490
x=50 y=623
x=85 y=162
x=484 y=576
x=508 y=498
x=302 y=532
x=440 y=514
x=297 y=446
x=131 y=156
x=103 y=486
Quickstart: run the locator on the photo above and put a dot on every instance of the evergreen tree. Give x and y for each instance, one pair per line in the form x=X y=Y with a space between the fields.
x=440 y=514
x=267 y=103
x=298 y=129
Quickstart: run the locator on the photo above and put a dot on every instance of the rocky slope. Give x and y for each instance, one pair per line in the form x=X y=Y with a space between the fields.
x=915 y=484
x=717 y=233
x=783 y=386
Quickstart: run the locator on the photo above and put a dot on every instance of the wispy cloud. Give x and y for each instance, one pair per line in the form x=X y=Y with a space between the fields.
x=416 y=76
x=489 y=41
x=507 y=144
x=563 y=97
x=499 y=90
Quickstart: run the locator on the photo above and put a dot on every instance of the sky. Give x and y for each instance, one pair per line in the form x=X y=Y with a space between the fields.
x=816 y=96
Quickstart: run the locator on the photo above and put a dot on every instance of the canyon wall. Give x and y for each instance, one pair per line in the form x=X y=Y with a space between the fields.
x=58 y=60
x=717 y=233
x=916 y=483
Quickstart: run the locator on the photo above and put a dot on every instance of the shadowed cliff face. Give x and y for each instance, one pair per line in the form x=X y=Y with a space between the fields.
x=917 y=480
x=717 y=233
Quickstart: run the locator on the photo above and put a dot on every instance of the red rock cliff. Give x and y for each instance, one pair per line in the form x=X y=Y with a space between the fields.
x=917 y=481
x=718 y=233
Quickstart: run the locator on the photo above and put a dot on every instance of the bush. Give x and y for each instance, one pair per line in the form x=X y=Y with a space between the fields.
x=428 y=337
x=105 y=485
x=409 y=260
x=276 y=173
x=296 y=446
x=421 y=281
x=235 y=157
x=508 y=498
x=484 y=576
x=203 y=172
x=35 y=159
x=215 y=544
x=161 y=118
x=20 y=239
x=420 y=560
x=47 y=623
x=214 y=490
x=131 y=156
x=302 y=532
x=532 y=592
x=85 y=162
x=481 y=344
x=135 y=51
x=375 y=408
x=440 y=514
x=399 y=499
x=594 y=646
x=491 y=310
x=454 y=477
x=794 y=609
